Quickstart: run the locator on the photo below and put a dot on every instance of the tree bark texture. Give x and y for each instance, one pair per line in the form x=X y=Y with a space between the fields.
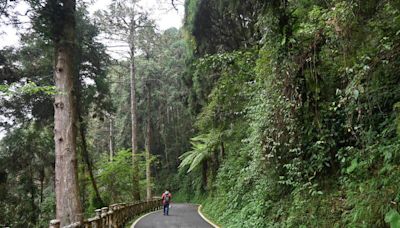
x=136 y=189
x=111 y=136
x=147 y=145
x=68 y=205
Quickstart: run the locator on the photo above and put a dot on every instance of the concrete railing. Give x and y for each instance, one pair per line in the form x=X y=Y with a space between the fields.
x=115 y=216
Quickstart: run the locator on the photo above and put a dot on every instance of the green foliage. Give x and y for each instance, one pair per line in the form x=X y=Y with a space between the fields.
x=26 y=190
x=308 y=120
x=120 y=169
x=29 y=88
x=206 y=24
x=115 y=177
x=393 y=218
x=202 y=147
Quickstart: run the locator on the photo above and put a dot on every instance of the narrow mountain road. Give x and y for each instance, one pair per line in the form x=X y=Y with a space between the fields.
x=180 y=216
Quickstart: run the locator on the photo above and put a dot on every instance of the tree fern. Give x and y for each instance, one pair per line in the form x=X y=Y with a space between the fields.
x=202 y=147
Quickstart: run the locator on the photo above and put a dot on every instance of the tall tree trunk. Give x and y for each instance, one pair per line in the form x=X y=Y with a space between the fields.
x=42 y=176
x=136 y=190
x=222 y=150
x=148 y=147
x=41 y=179
x=68 y=205
x=86 y=158
x=83 y=144
x=111 y=136
x=82 y=183
x=164 y=137
x=32 y=191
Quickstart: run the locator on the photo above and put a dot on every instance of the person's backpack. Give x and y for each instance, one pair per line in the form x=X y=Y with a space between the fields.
x=167 y=198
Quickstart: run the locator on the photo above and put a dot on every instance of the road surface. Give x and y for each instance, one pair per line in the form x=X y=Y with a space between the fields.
x=180 y=216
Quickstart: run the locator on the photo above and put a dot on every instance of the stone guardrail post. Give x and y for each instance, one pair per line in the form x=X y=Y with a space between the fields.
x=98 y=217
x=104 y=211
x=110 y=217
x=113 y=216
x=54 y=223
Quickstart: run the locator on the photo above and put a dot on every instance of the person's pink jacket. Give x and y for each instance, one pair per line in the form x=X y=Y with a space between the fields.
x=163 y=197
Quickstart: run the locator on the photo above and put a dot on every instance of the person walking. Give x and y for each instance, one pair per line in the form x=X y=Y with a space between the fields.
x=166 y=199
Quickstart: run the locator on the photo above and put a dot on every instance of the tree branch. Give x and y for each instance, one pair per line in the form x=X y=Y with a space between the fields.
x=173 y=5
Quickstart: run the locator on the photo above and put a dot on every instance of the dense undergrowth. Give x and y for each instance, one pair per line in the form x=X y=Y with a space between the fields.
x=297 y=125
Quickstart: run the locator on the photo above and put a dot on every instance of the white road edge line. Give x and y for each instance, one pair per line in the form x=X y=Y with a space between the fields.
x=137 y=220
x=204 y=217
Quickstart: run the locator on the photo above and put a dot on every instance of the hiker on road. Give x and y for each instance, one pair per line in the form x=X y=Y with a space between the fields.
x=166 y=198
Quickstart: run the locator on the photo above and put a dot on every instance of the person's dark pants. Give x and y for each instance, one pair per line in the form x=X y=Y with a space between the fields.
x=166 y=208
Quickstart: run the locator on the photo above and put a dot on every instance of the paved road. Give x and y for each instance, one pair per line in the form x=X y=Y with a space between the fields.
x=180 y=216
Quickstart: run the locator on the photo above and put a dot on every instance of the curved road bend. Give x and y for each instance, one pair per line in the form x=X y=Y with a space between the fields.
x=180 y=216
